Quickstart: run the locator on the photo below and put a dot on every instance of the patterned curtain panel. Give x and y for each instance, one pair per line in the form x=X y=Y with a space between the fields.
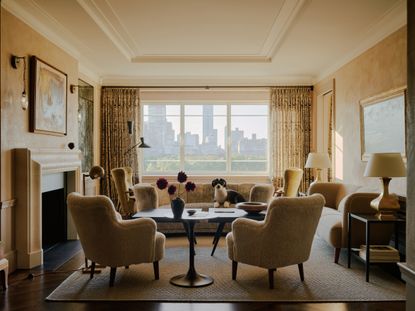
x=119 y=105
x=291 y=131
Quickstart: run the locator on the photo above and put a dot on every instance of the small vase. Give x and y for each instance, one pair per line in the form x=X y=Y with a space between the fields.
x=177 y=207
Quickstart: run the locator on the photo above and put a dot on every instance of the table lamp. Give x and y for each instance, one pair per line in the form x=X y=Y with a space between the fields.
x=385 y=166
x=318 y=160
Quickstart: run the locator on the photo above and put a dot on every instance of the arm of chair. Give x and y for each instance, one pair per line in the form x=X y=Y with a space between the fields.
x=246 y=237
x=355 y=203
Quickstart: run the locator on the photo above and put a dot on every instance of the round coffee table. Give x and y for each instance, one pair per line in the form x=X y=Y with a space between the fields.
x=192 y=278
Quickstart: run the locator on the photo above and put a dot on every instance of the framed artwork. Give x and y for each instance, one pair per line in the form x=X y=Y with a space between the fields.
x=48 y=96
x=382 y=123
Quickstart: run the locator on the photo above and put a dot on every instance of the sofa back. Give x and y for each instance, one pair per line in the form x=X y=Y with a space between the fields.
x=203 y=193
x=333 y=192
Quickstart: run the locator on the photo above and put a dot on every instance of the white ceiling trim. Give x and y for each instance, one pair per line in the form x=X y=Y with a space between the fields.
x=110 y=80
x=102 y=14
x=52 y=30
x=282 y=23
x=201 y=59
x=105 y=17
x=393 y=20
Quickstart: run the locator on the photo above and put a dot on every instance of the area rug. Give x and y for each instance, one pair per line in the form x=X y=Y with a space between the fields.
x=325 y=281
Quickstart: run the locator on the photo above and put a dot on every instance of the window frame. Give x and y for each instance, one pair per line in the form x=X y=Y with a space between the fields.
x=228 y=151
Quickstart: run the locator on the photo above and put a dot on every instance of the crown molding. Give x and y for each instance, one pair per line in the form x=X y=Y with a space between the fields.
x=282 y=24
x=390 y=22
x=40 y=21
x=106 y=19
x=111 y=80
x=201 y=59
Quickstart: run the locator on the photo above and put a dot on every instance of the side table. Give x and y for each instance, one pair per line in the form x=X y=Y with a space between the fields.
x=368 y=220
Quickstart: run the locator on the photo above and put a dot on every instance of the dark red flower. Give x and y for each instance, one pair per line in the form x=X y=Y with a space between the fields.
x=190 y=186
x=162 y=183
x=172 y=189
x=181 y=177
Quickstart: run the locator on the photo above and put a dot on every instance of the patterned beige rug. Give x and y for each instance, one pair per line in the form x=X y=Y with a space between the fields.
x=324 y=281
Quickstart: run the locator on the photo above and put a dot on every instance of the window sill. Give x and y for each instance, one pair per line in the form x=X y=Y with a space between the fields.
x=201 y=179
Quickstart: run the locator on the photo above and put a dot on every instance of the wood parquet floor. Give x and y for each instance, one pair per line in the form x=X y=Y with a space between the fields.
x=29 y=294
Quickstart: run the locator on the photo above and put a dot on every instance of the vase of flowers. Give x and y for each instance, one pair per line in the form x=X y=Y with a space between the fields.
x=175 y=193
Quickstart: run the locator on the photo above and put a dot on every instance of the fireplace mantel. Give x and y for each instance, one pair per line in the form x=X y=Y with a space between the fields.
x=30 y=165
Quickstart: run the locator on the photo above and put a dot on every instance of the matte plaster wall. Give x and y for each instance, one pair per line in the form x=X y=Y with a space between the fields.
x=19 y=39
x=379 y=69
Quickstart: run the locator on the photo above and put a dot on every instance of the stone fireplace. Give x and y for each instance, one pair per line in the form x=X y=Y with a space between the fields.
x=31 y=167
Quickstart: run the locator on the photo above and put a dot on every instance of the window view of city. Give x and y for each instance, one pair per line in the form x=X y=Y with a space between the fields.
x=206 y=138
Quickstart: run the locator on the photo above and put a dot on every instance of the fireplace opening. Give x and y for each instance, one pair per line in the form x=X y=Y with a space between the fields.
x=54 y=219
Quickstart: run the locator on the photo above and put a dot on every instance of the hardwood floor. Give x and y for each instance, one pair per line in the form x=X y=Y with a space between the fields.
x=29 y=294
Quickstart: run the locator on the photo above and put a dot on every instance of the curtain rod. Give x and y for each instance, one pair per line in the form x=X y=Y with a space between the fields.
x=204 y=87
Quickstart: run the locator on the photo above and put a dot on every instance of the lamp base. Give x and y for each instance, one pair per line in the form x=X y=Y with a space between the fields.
x=385 y=205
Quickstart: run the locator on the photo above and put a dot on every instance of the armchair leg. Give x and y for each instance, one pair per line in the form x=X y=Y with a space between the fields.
x=271 y=278
x=301 y=270
x=86 y=263
x=92 y=270
x=337 y=254
x=156 y=270
x=112 y=276
x=234 y=269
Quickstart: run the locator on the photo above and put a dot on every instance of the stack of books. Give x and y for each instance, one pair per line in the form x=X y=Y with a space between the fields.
x=380 y=253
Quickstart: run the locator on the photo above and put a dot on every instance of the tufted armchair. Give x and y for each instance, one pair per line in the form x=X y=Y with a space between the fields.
x=276 y=241
x=110 y=241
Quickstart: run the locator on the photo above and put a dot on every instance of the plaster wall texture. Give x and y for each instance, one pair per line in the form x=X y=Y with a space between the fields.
x=377 y=70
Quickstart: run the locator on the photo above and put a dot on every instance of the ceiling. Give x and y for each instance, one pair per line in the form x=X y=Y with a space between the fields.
x=211 y=42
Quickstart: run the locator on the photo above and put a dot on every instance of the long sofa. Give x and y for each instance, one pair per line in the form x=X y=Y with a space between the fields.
x=342 y=199
x=149 y=196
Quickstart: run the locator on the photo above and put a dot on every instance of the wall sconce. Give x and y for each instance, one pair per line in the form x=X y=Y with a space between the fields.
x=14 y=62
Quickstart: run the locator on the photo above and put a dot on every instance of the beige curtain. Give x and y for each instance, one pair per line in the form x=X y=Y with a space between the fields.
x=291 y=130
x=119 y=105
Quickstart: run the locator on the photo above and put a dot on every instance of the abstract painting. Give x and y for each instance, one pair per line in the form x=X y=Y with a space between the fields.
x=48 y=95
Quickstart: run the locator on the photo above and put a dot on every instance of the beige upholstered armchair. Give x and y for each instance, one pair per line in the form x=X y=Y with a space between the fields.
x=146 y=196
x=277 y=241
x=261 y=193
x=110 y=241
x=292 y=181
x=123 y=180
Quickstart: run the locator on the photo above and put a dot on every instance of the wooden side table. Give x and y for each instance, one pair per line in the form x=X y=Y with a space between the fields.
x=4 y=272
x=369 y=220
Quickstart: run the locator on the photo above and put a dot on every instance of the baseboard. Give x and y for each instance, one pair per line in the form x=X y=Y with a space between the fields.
x=409 y=276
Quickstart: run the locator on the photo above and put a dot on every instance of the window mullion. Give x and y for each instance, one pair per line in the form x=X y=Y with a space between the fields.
x=182 y=130
x=228 y=138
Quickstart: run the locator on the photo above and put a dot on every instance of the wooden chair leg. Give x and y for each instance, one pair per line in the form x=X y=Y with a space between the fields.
x=92 y=270
x=234 y=269
x=3 y=279
x=301 y=270
x=337 y=254
x=86 y=263
x=112 y=276
x=271 y=278
x=156 y=270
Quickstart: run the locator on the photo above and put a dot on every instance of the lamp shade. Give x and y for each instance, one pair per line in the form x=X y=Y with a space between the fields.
x=318 y=160
x=385 y=165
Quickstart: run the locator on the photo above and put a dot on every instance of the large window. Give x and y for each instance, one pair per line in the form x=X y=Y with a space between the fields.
x=206 y=138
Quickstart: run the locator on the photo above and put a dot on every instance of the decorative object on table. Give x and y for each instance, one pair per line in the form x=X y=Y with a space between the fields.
x=95 y=172
x=382 y=123
x=224 y=197
x=252 y=208
x=318 y=160
x=291 y=182
x=177 y=203
x=385 y=166
x=191 y=212
x=15 y=61
x=48 y=94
